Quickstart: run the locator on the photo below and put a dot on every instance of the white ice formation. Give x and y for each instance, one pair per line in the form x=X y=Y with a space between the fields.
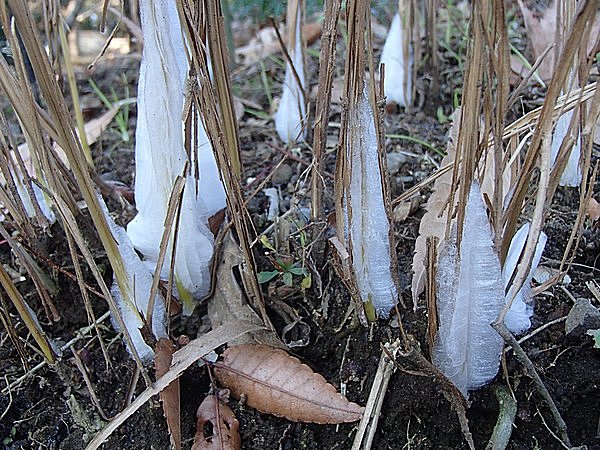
x=40 y=197
x=571 y=176
x=398 y=67
x=518 y=317
x=133 y=305
x=160 y=157
x=470 y=296
x=369 y=226
x=290 y=119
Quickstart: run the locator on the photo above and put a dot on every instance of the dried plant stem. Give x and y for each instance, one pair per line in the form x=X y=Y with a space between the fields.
x=469 y=135
x=587 y=187
x=182 y=359
x=74 y=94
x=516 y=128
x=541 y=387
x=326 y=74
x=363 y=440
x=26 y=315
x=585 y=14
x=173 y=207
x=506 y=418
x=68 y=141
x=212 y=96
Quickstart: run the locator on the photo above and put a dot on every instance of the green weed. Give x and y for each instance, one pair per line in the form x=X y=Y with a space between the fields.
x=122 y=117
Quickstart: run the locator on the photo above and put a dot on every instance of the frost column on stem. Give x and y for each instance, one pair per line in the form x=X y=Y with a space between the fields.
x=290 y=119
x=398 y=57
x=160 y=156
x=366 y=224
x=360 y=189
x=470 y=296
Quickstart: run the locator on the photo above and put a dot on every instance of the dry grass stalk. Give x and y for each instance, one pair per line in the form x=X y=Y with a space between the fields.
x=362 y=208
x=583 y=18
x=26 y=315
x=431 y=44
x=411 y=46
x=57 y=123
x=212 y=97
x=541 y=136
x=326 y=75
x=467 y=143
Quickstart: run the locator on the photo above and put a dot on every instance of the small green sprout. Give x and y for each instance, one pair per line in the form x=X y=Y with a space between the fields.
x=10 y=438
x=285 y=267
x=286 y=271
x=122 y=117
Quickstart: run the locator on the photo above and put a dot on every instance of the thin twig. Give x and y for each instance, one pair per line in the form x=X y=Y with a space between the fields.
x=500 y=327
x=80 y=335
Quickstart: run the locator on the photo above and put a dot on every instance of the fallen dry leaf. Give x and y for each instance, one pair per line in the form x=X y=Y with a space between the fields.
x=93 y=130
x=229 y=301
x=163 y=356
x=405 y=209
x=223 y=430
x=593 y=209
x=276 y=383
x=540 y=29
x=182 y=359
x=266 y=43
x=540 y=22
x=434 y=220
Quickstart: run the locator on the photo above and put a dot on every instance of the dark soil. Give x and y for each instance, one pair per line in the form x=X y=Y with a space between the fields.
x=53 y=409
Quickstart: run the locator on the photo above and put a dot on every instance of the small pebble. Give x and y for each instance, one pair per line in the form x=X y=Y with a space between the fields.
x=282 y=175
x=583 y=317
x=395 y=161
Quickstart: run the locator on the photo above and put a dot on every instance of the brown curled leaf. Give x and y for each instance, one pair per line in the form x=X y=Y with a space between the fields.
x=163 y=356
x=276 y=383
x=433 y=223
x=217 y=427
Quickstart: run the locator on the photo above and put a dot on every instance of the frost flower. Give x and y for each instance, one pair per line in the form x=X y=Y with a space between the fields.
x=397 y=55
x=140 y=283
x=518 y=317
x=571 y=176
x=368 y=227
x=290 y=119
x=470 y=296
x=160 y=157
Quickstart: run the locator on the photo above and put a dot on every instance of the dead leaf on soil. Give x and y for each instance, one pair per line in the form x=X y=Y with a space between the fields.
x=93 y=130
x=593 y=209
x=163 y=356
x=182 y=359
x=266 y=43
x=405 y=209
x=223 y=433
x=540 y=29
x=276 y=383
x=434 y=220
x=229 y=302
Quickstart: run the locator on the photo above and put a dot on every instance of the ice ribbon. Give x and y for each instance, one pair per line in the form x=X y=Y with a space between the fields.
x=160 y=157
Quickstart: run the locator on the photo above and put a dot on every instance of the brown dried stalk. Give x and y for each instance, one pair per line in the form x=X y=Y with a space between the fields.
x=326 y=74
x=203 y=22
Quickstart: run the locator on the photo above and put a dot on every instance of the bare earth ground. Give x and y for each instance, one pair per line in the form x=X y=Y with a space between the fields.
x=52 y=409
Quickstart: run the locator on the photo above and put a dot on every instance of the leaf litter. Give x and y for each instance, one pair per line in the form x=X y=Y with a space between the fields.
x=274 y=382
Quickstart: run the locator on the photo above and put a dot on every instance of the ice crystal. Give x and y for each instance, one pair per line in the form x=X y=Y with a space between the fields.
x=470 y=296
